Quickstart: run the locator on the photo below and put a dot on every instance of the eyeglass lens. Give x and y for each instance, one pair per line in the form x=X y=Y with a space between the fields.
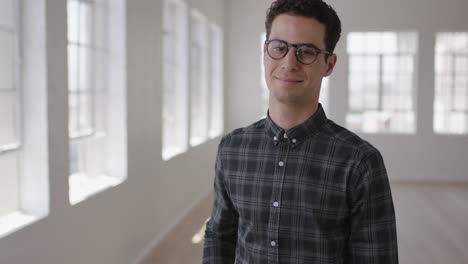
x=278 y=49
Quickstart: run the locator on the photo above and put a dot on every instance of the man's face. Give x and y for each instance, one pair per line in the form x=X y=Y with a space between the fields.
x=289 y=81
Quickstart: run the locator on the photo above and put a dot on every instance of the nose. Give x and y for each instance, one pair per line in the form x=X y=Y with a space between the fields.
x=290 y=62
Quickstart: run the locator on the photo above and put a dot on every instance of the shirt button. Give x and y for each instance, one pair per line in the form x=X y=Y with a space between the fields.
x=275 y=204
x=275 y=138
x=281 y=163
x=273 y=243
x=285 y=136
x=294 y=141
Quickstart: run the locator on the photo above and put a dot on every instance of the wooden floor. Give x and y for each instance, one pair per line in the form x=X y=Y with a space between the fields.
x=432 y=222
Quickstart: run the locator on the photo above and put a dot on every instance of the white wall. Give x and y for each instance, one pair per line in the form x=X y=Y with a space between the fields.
x=423 y=156
x=120 y=225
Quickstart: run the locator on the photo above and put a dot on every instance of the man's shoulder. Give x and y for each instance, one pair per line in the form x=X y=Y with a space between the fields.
x=349 y=139
x=253 y=129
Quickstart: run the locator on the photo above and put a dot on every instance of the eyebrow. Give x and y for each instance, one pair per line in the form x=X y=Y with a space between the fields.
x=302 y=44
x=310 y=45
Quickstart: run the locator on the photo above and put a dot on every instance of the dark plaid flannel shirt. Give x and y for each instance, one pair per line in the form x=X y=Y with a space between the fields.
x=316 y=193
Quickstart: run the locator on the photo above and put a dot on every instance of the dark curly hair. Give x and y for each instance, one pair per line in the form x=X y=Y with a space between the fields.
x=317 y=9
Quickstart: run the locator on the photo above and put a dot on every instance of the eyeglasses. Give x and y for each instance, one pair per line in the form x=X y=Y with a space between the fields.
x=305 y=53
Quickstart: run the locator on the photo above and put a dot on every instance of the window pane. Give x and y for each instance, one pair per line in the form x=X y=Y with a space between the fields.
x=100 y=72
x=461 y=65
x=73 y=113
x=7 y=63
x=388 y=43
x=356 y=87
x=397 y=82
x=85 y=20
x=101 y=25
x=100 y=105
x=407 y=42
x=373 y=43
x=10 y=180
x=86 y=112
x=74 y=156
x=85 y=70
x=73 y=59
x=8 y=118
x=355 y=42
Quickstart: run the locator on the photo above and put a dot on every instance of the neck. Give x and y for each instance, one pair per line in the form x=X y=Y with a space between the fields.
x=289 y=116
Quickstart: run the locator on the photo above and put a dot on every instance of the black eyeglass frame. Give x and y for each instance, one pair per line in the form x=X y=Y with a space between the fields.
x=297 y=46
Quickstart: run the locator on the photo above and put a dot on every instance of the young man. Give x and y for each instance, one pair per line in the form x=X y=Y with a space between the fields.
x=295 y=187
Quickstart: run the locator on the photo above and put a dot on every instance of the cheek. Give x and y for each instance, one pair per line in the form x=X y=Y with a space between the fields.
x=315 y=74
x=269 y=68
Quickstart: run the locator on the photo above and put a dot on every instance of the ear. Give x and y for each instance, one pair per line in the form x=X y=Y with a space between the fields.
x=331 y=62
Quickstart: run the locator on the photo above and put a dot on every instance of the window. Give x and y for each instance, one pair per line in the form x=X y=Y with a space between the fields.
x=381 y=81
x=96 y=85
x=175 y=83
x=23 y=139
x=199 y=79
x=217 y=85
x=451 y=83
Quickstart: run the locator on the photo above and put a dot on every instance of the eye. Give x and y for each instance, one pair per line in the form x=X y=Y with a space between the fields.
x=279 y=48
x=307 y=51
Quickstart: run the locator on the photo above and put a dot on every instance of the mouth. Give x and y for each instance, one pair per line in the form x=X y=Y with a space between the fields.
x=289 y=80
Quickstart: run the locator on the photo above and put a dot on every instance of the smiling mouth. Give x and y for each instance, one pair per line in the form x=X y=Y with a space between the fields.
x=288 y=81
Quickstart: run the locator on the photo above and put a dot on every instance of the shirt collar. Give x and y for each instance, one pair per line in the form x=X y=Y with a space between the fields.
x=298 y=133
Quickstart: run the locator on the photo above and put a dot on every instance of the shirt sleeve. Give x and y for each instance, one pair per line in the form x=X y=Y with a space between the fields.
x=373 y=237
x=221 y=229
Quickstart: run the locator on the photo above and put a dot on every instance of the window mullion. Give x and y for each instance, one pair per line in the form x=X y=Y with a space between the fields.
x=452 y=86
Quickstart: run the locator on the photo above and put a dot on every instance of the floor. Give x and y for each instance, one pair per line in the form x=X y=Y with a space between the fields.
x=432 y=222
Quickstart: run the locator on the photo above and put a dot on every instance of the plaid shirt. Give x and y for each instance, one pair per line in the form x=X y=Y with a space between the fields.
x=315 y=193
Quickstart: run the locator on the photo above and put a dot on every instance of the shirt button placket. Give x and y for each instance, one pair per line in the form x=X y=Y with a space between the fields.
x=276 y=194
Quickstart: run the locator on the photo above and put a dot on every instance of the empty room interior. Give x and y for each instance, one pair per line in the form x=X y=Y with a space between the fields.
x=111 y=112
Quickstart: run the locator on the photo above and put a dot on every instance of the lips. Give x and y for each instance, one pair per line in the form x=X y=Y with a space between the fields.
x=289 y=80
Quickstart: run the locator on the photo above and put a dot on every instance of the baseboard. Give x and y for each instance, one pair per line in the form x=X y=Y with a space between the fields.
x=148 y=249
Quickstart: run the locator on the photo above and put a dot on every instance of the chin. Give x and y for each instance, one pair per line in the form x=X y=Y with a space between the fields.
x=288 y=98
